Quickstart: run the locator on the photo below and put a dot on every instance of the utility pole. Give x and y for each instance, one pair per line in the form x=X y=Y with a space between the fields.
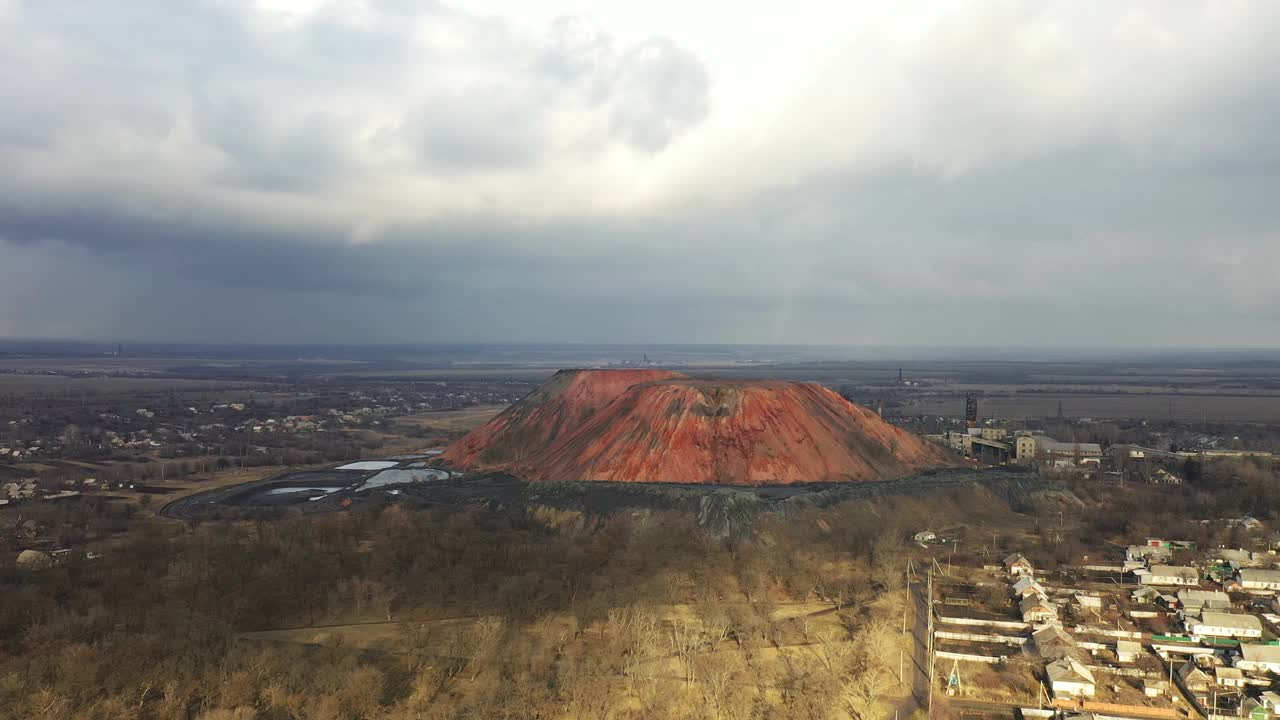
x=929 y=610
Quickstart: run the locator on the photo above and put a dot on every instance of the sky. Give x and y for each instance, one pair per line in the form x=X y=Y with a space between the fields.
x=954 y=173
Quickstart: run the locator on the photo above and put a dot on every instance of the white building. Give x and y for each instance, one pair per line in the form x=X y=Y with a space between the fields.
x=1215 y=624
x=1228 y=677
x=1045 y=448
x=1252 y=579
x=1171 y=575
x=1069 y=677
x=1128 y=651
x=1259 y=658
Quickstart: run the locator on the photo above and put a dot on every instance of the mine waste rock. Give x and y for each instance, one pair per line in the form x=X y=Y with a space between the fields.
x=660 y=426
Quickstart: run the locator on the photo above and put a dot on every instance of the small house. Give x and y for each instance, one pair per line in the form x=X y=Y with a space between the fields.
x=1171 y=575
x=1228 y=677
x=1128 y=651
x=1016 y=564
x=1255 y=707
x=1037 y=609
x=1145 y=594
x=1051 y=642
x=1195 y=679
x=1026 y=587
x=1204 y=600
x=1148 y=553
x=1069 y=677
x=925 y=537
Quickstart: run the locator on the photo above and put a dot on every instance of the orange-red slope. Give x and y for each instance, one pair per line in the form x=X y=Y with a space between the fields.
x=559 y=406
x=675 y=429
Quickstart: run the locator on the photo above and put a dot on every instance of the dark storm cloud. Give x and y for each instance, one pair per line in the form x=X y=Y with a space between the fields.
x=387 y=176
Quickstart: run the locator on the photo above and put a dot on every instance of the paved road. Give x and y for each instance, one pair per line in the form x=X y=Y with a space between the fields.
x=919 y=656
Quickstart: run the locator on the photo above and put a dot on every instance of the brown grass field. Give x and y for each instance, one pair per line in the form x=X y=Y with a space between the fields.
x=454 y=420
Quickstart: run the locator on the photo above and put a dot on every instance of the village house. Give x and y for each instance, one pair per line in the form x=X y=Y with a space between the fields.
x=1254 y=580
x=1228 y=677
x=1259 y=658
x=1148 y=553
x=1170 y=575
x=1216 y=624
x=1036 y=609
x=1070 y=677
x=1145 y=595
x=1260 y=706
x=1051 y=642
x=1234 y=557
x=1026 y=587
x=1195 y=680
x=1016 y=564
x=1128 y=651
x=1196 y=600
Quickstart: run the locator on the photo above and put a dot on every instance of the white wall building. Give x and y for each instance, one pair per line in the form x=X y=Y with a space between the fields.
x=1171 y=575
x=1253 y=579
x=1259 y=658
x=1215 y=624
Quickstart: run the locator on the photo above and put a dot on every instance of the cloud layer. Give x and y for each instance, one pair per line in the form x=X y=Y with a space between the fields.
x=982 y=173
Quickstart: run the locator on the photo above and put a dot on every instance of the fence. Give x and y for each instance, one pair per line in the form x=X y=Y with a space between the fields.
x=1004 y=624
x=1113 y=708
x=989 y=659
x=979 y=637
x=1108 y=632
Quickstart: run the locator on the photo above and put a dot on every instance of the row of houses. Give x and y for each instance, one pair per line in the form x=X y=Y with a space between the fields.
x=1250 y=580
x=1065 y=673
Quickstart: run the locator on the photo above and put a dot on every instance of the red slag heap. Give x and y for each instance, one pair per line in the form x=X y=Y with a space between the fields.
x=658 y=426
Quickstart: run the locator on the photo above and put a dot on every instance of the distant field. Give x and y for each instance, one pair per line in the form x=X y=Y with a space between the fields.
x=12 y=384
x=1215 y=408
x=472 y=373
x=454 y=420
